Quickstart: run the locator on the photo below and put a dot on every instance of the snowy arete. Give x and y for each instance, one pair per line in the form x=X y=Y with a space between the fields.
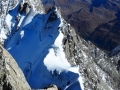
x=35 y=42
x=48 y=50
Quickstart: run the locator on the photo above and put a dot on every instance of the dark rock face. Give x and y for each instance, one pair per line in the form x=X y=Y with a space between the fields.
x=98 y=70
x=11 y=77
x=94 y=20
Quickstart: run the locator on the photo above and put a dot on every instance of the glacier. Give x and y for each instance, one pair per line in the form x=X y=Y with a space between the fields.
x=35 y=42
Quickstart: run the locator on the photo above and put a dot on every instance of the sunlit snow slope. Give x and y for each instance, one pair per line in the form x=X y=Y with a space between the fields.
x=36 y=44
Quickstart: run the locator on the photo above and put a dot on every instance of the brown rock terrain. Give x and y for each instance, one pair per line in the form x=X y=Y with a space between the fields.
x=94 y=20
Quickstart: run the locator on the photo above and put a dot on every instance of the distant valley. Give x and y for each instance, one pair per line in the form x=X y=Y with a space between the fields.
x=94 y=20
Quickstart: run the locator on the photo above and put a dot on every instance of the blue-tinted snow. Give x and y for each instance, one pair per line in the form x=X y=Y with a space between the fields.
x=37 y=48
x=74 y=86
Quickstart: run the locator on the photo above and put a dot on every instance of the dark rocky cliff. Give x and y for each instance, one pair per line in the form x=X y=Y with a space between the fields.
x=11 y=76
x=98 y=70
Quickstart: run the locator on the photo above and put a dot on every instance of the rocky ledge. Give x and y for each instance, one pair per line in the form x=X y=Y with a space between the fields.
x=11 y=77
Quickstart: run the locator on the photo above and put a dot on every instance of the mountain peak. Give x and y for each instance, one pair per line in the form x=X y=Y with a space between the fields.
x=50 y=51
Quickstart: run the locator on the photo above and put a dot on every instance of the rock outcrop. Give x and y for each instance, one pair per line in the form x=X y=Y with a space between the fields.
x=11 y=76
x=51 y=87
x=98 y=70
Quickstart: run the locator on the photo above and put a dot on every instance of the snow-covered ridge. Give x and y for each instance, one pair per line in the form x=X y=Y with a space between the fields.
x=38 y=41
x=36 y=44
